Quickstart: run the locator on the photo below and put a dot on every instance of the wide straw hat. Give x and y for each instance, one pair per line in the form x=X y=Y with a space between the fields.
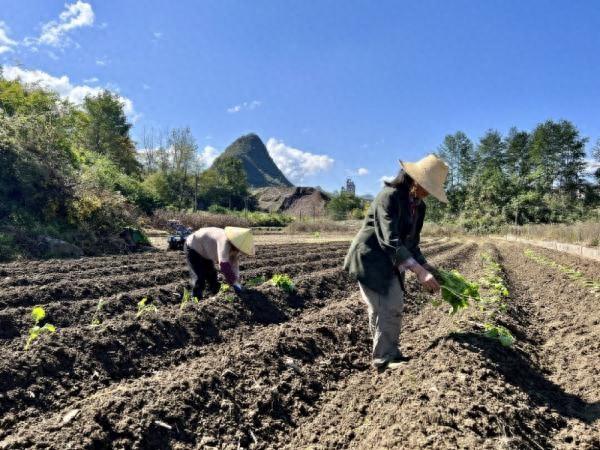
x=241 y=238
x=430 y=173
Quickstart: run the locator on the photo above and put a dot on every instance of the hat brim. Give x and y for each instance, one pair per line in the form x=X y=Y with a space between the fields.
x=245 y=246
x=437 y=191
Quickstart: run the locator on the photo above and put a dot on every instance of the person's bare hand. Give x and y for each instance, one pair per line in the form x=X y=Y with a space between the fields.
x=427 y=280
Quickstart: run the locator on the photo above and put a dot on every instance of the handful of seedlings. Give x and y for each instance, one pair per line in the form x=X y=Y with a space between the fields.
x=456 y=290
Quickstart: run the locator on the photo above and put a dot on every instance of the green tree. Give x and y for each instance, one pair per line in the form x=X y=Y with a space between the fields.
x=107 y=131
x=224 y=184
x=342 y=205
x=558 y=157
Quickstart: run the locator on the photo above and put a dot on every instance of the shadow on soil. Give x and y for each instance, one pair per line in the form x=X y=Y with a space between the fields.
x=518 y=370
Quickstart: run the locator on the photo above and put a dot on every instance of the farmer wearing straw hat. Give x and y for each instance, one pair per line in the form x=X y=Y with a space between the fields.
x=387 y=245
x=212 y=246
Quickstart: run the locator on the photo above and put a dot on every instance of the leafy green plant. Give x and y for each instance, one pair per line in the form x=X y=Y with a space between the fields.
x=144 y=308
x=493 y=280
x=186 y=298
x=573 y=274
x=96 y=319
x=256 y=281
x=224 y=288
x=457 y=290
x=283 y=282
x=229 y=298
x=500 y=333
x=317 y=234
x=38 y=314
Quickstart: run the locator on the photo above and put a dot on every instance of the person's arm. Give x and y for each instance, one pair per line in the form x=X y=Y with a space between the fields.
x=387 y=229
x=223 y=251
x=416 y=251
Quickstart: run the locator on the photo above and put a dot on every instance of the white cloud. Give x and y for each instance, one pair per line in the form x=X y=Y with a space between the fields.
x=76 y=15
x=591 y=165
x=6 y=43
x=297 y=164
x=4 y=39
x=208 y=156
x=385 y=178
x=101 y=62
x=362 y=172
x=145 y=87
x=63 y=86
x=91 y=80
x=249 y=106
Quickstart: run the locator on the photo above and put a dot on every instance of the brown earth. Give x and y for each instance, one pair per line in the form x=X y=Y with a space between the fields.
x=277 y=370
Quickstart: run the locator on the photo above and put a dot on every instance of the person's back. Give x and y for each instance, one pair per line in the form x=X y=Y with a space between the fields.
x=210 y=243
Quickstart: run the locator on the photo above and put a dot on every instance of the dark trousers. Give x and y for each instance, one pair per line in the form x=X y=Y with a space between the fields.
x=202 y=272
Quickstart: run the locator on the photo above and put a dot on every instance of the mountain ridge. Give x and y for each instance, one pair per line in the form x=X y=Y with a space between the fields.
x=260 y=169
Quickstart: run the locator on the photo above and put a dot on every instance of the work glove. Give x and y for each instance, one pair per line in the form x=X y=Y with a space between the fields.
x=238 y=288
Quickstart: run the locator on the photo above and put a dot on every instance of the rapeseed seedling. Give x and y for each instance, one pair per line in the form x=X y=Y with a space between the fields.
x=186 y=298
x=283 y=282
x=573 y=274
x=500 y=333
x=224 y=288
x=143 y=308
x=256 y=281
x=96 y=319
x=38 y=314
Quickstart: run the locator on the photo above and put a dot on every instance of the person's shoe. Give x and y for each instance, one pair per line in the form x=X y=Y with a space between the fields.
x=397 y=361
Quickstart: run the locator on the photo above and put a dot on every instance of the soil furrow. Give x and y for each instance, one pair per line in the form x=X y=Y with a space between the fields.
x=565 y=323
x=168 y=332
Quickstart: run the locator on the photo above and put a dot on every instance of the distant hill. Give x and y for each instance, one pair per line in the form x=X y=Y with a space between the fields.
x=260 y=168
x=296 y=201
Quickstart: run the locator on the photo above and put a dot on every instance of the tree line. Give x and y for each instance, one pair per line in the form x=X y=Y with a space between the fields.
x=538 y=176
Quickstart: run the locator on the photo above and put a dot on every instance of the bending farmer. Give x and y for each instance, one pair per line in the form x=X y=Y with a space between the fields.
x=208 y=247
x=387 y=245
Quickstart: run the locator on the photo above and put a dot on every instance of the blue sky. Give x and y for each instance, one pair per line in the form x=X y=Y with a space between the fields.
x=332 y=86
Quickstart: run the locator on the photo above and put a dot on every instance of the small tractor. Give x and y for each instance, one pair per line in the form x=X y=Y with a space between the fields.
x=180 y=232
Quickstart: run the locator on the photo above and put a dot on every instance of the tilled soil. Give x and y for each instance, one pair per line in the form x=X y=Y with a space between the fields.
x=278 y=370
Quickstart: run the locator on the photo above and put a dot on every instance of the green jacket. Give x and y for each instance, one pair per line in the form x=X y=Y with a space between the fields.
x=388 y=237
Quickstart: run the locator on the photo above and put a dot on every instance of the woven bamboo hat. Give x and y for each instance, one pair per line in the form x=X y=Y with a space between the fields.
x=430 y=172
x=241 y=238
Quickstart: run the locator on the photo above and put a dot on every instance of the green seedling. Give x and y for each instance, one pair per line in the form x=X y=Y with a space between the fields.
x=230 y=298
x=186 y=298
x=96 y=319
x=283 y=282
x=255 y=281
x=38 y=314
x=573 y=274
x=457 y=290
x=317 y=234
x=225 y=288
x=143 y=308
x=500 y=333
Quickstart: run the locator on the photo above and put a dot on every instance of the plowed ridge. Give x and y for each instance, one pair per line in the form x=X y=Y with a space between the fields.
x=272 y=369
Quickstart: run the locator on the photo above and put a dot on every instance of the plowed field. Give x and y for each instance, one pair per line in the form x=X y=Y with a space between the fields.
x=277 y=370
